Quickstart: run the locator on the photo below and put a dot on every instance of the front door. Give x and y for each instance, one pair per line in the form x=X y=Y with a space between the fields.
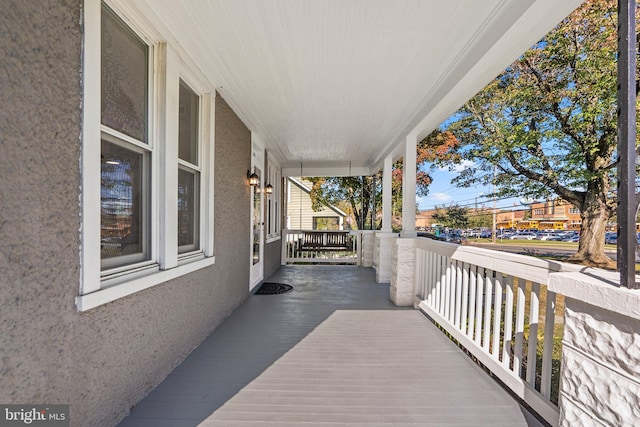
x=257 y=222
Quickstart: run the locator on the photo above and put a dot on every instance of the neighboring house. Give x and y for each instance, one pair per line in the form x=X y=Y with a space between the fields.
x=300 y=214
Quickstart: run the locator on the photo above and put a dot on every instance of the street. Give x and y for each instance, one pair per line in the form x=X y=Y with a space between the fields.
x=537 y=248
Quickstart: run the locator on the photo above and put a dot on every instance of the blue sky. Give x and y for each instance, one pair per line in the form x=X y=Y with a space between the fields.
x=443 y=192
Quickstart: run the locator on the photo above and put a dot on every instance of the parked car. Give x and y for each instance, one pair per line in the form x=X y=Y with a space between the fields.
x=550 y=237
x=523 y=236
x=611 y=238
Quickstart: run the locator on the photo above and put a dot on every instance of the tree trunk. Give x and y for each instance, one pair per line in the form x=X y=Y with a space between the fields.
x=591 y=245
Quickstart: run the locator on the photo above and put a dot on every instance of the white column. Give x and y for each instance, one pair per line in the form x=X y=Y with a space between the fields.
x=409 y=187
x=386 y=195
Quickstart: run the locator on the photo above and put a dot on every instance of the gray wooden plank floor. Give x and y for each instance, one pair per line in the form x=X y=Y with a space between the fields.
x=334 y=351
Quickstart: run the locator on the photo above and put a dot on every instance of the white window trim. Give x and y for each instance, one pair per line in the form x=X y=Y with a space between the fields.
x=274 y=177
x=168 y=63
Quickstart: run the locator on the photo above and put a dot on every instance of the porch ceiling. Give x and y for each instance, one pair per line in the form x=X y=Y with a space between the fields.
x=335 y=86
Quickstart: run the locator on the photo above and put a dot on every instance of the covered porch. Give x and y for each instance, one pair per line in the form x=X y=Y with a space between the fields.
x=291 y=88
x=334 y=350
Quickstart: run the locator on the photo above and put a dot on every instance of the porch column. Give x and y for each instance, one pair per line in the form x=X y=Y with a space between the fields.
x=409 y=187
x=386 y=195
x=385 y=238
x=600 y=374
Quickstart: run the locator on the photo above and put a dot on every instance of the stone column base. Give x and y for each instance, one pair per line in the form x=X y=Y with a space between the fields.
x=368 y=242
x=383 y=255
x=600 y=376
x=402 y=287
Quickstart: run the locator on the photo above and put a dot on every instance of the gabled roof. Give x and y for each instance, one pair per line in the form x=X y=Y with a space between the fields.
x=307 y=190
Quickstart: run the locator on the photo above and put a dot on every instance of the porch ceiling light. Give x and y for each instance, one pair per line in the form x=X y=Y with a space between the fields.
x=254 y=179
x=268 y=189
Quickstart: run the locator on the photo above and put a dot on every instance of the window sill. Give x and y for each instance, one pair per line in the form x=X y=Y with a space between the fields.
x=103 y=296
x=271 y=239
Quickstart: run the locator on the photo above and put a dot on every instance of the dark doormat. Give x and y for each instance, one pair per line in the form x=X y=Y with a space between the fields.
x=271 y=288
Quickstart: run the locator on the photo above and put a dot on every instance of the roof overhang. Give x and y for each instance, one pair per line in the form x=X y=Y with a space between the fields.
x=334 y=87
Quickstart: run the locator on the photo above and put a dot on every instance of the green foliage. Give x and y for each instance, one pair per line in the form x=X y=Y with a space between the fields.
x=452 y=216
x=357 y=191
x=547 y=124
x=363 y=193
x=480 y=219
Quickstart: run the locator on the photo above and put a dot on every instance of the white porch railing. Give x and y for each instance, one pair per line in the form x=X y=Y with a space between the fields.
x=328 y=247
x=497 y=307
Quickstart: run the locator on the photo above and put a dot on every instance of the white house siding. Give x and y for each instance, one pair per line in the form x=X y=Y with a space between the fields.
x=102 y=361
x=299 y=211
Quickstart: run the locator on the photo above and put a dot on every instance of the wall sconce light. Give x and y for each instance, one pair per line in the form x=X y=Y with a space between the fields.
x=254 y=179
x=268 y=189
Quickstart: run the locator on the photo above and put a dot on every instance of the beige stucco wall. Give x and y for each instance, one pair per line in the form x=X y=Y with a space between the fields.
x=103 y=361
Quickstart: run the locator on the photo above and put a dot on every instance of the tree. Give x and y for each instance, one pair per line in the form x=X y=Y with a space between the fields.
x=480 y=218
x=357 y=191
x=548 y=124
x=363 y=192
x=452 y=216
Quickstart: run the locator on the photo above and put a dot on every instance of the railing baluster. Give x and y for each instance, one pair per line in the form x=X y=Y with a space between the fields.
x=479 y=297
x=532 y=344
x=432 y=279
x=487 y=309
x=507 y=341
x=465 y=298
x=458 y=299
x=439 y=292
x=472 y=300
x=517 y=354
x=547 y=344
x=447 y=288
x=497 y=315
x=427 y=294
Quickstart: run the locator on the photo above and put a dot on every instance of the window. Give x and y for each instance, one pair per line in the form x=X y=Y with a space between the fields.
x=147 y=215
x=574 y=210
x=125 y=152
x=188 y=171
x=538 y=211
x=326 y=223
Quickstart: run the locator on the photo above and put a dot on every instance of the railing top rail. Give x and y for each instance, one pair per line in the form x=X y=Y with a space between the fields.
x=319 y=231
x=522 y=266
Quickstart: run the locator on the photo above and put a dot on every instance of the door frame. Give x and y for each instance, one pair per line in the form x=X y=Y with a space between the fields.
x=256 y=270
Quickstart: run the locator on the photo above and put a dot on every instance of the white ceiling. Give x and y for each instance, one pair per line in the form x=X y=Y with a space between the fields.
x=337 y=85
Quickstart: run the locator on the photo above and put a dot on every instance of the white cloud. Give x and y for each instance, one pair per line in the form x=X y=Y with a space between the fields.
x=440 y=198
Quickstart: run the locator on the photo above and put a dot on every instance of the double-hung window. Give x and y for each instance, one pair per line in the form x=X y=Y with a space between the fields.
x=147 y=157
x=125 y=152
x=188 y=171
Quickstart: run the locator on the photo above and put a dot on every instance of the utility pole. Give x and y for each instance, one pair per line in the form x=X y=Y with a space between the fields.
x=493 y=226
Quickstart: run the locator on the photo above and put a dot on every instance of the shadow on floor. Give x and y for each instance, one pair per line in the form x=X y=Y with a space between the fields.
x=252 y=338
